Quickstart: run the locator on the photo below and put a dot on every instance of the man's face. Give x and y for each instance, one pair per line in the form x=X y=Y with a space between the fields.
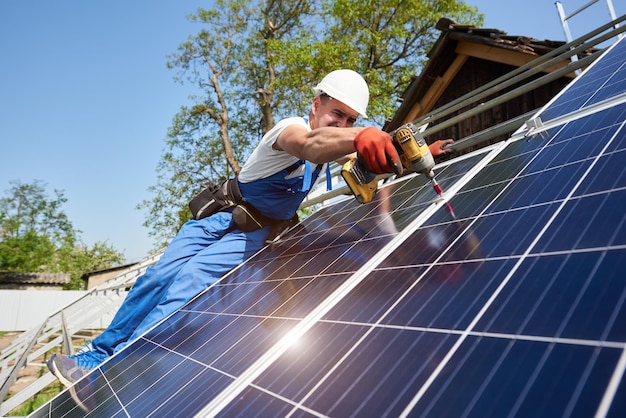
x=330 y=112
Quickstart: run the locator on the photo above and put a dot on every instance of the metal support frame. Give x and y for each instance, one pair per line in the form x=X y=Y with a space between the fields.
x=56 y=332
x=564 y=18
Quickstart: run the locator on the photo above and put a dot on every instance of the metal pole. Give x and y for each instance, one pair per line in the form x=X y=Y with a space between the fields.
x=609 y=5
x=563 y=18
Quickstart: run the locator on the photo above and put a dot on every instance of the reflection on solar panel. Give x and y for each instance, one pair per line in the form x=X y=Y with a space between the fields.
x=515 y=308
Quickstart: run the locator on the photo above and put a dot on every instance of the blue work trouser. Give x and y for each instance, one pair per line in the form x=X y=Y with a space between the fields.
x=200 y=254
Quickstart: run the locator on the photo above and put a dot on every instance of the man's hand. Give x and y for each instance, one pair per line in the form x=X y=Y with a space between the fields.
x=377 y=150
x=437 y=147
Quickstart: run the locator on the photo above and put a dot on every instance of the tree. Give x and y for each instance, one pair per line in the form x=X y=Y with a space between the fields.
x=37 y=236
x=256 y=61
x=386 y=42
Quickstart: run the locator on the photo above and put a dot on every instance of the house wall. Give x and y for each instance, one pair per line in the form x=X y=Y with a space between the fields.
x=97 y=279
x=31 y=286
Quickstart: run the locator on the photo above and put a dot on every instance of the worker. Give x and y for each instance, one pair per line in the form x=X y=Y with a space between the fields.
x=273 y=182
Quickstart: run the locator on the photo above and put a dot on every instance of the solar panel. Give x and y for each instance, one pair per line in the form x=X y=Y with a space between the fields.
x=515 y=307
x=601 y=81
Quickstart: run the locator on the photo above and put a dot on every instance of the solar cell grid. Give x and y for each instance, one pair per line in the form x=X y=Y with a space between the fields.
x=603 y=80
x=546 y=311
x=518 y=378
x=515 y=308
x=610 y=174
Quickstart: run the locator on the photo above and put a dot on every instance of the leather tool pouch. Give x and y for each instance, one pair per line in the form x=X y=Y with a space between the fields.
x=227 y=195
x=247 y=219
x=215 y=198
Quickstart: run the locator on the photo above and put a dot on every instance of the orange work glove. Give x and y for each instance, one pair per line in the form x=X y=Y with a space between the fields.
x=437 y=147
x=377 y=150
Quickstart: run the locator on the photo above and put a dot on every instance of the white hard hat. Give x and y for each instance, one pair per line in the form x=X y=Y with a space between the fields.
x=348 y=87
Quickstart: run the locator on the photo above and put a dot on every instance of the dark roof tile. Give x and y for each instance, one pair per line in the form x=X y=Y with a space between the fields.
x=9 y=277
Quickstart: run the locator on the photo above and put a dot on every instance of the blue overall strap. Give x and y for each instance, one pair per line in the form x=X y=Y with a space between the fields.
x=278 y=196
x=329 y=181
x=306 y=179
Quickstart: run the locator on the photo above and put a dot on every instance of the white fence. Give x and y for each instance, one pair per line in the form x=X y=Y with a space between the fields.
x=21 y=310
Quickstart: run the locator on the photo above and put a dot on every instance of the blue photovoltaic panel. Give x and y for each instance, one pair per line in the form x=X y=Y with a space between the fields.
x=524 y=329
x=516 y=307
x=603 y=80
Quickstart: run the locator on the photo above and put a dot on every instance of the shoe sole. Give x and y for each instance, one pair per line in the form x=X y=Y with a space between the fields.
x=53 y=368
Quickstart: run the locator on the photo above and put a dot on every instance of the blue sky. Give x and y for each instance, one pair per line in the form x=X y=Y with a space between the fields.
x=86 y=98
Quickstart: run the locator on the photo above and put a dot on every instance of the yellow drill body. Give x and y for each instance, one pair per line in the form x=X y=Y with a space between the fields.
x=414 y=155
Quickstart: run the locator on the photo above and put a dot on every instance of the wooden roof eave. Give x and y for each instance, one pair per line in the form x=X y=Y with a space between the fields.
x=437 y=87
x=457 y=47
x=420 y=85
x=503 y=54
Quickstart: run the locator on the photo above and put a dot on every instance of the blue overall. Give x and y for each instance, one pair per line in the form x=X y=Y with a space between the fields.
x=200 y=254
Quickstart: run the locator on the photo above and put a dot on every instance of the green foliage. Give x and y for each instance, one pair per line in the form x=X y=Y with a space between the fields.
x=387 y=42
x=255 y=62
x=37 y=236
x=80 y=259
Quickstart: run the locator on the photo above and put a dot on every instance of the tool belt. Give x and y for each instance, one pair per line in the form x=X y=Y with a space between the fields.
x=227 y=196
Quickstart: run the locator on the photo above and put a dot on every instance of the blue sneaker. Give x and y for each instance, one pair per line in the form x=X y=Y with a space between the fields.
x=70 y=369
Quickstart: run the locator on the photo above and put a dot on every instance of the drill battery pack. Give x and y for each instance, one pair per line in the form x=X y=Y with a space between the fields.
x=362 y=183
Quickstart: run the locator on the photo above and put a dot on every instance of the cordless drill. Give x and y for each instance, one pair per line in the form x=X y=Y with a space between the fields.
x=414 y=155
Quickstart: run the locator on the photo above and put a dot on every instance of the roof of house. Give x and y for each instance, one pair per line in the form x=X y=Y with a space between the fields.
x=455 y=45
x=9 y=277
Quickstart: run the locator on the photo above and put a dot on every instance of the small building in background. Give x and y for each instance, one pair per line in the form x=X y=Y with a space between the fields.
x=96 y=278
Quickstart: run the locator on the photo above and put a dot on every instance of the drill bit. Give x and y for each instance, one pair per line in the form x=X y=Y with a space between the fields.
x=439 y=190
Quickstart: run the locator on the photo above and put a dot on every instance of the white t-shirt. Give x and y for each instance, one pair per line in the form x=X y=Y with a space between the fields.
x=265 y=160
